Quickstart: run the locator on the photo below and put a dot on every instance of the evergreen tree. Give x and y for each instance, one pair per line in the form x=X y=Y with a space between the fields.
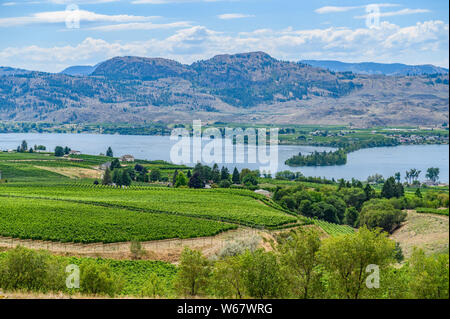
x=107 y=178
x=236 y=179
x=66 y=150
x=369 y=191
x=215 y=174
x=389 y=188
x=196 y=181
x=125 y=178
x=115 y=164
x=224 y=173
x=24 y=146
x=117 y=177
x=189 y=174
x=174 y=177
x=109 y=152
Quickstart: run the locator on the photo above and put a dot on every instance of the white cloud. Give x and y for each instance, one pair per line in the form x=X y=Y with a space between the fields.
x=336 y=9
x=142 y=26
x=9 y=4
x=60 y=17
x=229 y=16
x=398 y=13
x=172 y=1
x=422 y=43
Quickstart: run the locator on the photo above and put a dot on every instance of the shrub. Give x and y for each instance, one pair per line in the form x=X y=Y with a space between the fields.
x=32 y=271
x=98 y=279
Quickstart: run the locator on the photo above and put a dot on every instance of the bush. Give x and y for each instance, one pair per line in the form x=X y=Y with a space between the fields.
x=225 y=183
x=98 y=279
x=381 y=213
x=31 y=270
x=153 y=287
x=238 y=247
x=193 y=273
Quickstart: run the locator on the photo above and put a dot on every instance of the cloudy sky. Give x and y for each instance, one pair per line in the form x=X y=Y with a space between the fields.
x=50 y=35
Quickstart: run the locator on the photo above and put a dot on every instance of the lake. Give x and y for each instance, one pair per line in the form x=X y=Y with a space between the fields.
x=360 y=164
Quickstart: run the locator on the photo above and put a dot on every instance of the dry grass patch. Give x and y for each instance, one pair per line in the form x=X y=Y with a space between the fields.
x=426 y=231
x=74 y=172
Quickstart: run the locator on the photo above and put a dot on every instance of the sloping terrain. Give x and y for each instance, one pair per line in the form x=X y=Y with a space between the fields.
x=247 y=87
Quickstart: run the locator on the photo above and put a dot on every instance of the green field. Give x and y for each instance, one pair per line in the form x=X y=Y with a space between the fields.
x=235 y=206
x=74 y=222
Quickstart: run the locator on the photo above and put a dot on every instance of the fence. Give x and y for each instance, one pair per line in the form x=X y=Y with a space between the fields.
x=124 y=247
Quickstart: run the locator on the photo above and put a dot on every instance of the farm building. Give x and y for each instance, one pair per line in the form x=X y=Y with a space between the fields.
x=127 y=158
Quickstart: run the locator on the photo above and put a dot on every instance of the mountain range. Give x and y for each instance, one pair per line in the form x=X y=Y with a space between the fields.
x=376 y=68
x=246 y=87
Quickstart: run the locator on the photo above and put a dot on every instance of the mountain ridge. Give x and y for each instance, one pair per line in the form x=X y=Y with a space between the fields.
x=247 y=87
x=376 y=68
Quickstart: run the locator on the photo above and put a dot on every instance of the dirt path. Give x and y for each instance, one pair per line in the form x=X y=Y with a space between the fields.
x=166 y=250
x=429 y=232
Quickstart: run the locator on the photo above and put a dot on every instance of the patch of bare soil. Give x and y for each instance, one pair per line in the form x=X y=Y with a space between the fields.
x=164 y=250
x=74 y=172
x=426 y=231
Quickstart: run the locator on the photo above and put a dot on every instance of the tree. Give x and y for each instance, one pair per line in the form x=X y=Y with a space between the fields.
x=193 y=272
x=23 y=146
x=397 y=177
x=299 y=260
x=195 y=181
x=109 y=152
x=236 y=179
x=389 y=190
x=117 y=177
x=107 y=178
x=181 y=180
x=215 y=174
x=433 y=174
x=59 y=151
x=351 y=216
x=261 y=273
x=174 y=177
x=380 y=213
x=429 y=275
x=115 y=164
x=249 y=180
x=345 y=259
x=227 y=277
x=325 y=211
x=125 y=178
x=224 y=173
x=189 y=174
x=369 y=191
x=339 y=205
x=155 y=175
x=66 y=150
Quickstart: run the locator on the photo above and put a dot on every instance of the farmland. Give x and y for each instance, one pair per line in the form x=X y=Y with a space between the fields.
x=74 y=222
x=235 y=206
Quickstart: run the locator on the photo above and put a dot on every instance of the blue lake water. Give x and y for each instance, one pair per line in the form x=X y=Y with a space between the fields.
x=360 y=164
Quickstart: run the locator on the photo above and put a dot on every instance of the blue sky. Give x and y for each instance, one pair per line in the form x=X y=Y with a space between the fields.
x=44 y=34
